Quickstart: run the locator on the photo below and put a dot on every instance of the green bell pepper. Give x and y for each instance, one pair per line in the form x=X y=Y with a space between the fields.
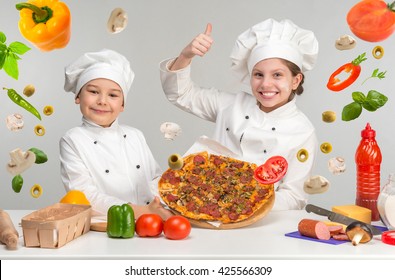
x=120 y=221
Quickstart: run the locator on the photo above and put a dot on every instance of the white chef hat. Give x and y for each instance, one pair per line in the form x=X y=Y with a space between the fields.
x=106 y=64
x=270 y=39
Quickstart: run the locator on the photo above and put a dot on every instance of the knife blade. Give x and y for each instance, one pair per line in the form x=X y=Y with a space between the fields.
x=339 y=218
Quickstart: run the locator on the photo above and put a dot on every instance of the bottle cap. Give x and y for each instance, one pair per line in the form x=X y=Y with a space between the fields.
x=368 y=132
x=388 y=237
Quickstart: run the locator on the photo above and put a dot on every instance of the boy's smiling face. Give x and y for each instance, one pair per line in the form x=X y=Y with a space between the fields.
x=101 y=101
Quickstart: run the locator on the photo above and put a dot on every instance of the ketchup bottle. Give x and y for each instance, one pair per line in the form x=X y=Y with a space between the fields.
x=368 y=159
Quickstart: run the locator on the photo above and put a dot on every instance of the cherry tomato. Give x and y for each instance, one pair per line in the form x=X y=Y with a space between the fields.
x=149 y=225
x=177 y=227
x=372 y=20
x=272 y=170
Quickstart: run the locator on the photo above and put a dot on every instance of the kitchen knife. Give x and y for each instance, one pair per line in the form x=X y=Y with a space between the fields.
x=339 y=218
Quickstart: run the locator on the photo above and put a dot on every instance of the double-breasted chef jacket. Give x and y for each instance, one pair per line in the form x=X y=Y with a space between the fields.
x=112 y=165
x=249 y=132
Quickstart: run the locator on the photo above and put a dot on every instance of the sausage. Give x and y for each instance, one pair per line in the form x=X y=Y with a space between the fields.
x=335 y=229
x=340 y=236
x=314 y=229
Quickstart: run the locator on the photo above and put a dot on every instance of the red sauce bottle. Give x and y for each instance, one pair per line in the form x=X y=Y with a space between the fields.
x=368 y=160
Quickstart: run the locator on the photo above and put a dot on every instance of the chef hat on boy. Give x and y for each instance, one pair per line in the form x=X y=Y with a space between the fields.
x=273 y=39
x=105 y=64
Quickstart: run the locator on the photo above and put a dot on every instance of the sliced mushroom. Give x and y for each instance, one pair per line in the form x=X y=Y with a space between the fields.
x=345 y=42
x=117 y=21
x=336 y=165
x=20 y=161
x=170 y=130
x=15 y=122
x=358 y=232
x=316 y=184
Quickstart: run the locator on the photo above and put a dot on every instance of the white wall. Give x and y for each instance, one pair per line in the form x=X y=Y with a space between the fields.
x=159 y=29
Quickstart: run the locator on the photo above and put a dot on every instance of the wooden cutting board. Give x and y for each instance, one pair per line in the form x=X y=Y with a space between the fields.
x=258 y=215
x=99 y=226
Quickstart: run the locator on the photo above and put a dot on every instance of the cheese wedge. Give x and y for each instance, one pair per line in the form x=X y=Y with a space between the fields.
x=354 y=211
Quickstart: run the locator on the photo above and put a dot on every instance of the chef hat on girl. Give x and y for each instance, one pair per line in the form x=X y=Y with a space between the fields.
x=273 y=39
x=105 y=64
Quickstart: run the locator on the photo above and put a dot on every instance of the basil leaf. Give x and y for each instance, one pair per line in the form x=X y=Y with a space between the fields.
x=358 y=97
x=351 y=111
x=11 y=66
x=18 y=47
x=3 y=54
x=377 y=97
x=3 y=38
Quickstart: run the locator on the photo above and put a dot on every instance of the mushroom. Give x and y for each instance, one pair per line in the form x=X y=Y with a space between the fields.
x=358 y=232
x=20 y=161
x=15 y=122
x=336 y=165
x=316 y=184
x=117 y=21
x=170 y=130
x=345 y=42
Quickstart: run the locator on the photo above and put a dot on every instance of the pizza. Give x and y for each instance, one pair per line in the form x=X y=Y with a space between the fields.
x=214 y=188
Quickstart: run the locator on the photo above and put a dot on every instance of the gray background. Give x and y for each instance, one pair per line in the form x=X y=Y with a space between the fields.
x=158 y=29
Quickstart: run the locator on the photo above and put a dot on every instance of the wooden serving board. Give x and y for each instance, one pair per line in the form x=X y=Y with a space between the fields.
x=258 y=215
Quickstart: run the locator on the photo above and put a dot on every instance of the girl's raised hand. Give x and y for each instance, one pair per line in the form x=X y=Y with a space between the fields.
x=200 y=45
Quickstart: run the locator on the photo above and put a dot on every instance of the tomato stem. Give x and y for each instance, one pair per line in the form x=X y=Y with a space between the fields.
x=391 y=6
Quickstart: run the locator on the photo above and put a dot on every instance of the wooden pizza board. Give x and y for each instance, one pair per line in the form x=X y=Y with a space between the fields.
x=99 y=226
x=258 y=215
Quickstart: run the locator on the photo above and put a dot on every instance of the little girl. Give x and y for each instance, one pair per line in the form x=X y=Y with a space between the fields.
x=269 y=58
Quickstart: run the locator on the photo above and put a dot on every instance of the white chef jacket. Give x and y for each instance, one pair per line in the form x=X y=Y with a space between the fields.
x=249 y=132
x=112 y=165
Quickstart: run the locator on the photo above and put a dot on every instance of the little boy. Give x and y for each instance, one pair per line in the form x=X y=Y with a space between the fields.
x=109 y=162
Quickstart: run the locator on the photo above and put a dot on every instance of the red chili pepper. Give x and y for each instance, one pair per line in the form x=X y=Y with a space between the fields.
x=353 y=68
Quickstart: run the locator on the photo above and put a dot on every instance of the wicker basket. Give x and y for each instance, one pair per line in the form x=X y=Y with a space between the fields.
x=56 y=225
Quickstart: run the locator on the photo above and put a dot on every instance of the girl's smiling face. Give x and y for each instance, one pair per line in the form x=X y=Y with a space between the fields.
x=272 y=83
x=101 y=101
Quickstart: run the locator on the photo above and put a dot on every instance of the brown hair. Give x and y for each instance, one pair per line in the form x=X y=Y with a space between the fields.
x=295 y=70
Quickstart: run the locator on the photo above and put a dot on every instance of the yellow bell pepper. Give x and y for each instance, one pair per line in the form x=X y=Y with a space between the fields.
x=45 y=23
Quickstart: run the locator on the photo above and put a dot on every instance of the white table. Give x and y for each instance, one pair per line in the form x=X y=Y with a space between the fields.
x=263 y=240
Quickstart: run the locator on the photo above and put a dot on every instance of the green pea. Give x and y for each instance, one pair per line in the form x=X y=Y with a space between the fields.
x=17 y=183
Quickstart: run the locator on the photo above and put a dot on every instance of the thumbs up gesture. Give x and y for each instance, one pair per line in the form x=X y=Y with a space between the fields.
x=200 y=45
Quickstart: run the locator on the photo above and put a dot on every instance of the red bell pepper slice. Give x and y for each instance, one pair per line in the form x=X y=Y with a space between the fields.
x=353 y=68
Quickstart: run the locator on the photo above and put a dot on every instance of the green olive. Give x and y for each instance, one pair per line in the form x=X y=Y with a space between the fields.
x=29 y=90
x=378 y=52
x=326 y=147
x=302 y=155
x=328 y=116
x=175 y=161
x=36 y=191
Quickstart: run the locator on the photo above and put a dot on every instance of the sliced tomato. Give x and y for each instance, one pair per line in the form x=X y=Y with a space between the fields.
x=272 y=171
x=372 y=20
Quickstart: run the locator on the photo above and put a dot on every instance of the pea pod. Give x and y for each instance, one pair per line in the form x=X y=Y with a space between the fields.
x=17 y=183
x=120 y=221
x=20 y=101
x=41 y=157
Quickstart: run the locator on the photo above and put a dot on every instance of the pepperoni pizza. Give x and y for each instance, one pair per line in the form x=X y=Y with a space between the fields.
x=214 y=188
